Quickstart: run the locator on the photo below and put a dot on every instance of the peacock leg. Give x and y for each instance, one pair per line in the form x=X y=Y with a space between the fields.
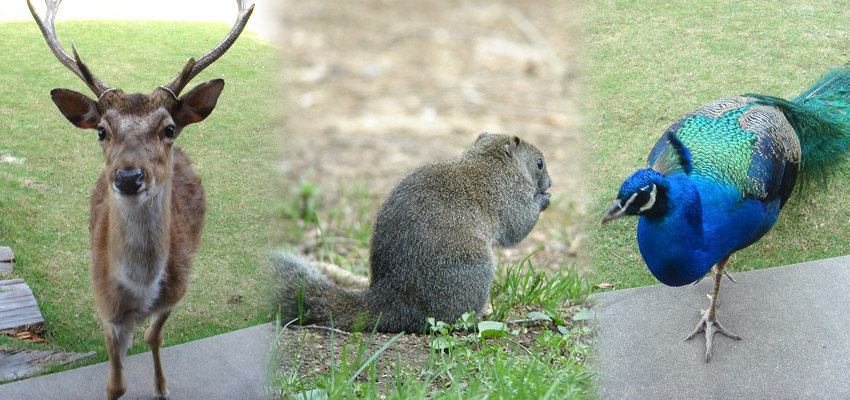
x=725 y=272
x=708 y=323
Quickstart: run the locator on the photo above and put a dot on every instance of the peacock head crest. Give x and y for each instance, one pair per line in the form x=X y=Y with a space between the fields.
x=643 y=193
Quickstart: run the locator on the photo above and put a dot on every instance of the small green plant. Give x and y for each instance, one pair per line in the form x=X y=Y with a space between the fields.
x=302 y=203
x=289 y=378
x=522 y=285
x=441 y=332
x=299 y=301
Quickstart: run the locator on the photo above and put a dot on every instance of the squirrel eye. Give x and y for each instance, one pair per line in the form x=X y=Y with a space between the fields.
x=101 y=133
x=169 y=131
x=539 y=162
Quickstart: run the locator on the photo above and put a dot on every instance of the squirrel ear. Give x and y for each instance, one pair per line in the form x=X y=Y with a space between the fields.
x=509 y=149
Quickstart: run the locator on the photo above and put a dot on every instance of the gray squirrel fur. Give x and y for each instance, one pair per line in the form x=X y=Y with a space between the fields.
x=432 y=243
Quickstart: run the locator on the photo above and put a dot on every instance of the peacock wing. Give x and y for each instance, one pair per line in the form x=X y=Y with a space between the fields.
x=733 y=142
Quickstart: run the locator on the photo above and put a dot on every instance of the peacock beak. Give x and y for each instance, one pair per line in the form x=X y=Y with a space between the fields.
x=616 y=211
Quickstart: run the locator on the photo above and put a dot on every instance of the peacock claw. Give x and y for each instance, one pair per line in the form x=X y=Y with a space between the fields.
x=710 y=327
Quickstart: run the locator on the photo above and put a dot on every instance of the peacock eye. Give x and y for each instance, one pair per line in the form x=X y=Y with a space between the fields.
x=539 y=162
x=169 y=131
x=642 y=198
x=101 y=133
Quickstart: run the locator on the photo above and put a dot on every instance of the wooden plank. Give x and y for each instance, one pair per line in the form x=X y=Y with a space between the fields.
x=7 y=260
x=18 y=308
x=23 y=363
x=6 y=254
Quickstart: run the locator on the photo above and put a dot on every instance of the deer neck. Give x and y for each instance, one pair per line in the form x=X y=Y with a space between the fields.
x=140 y=233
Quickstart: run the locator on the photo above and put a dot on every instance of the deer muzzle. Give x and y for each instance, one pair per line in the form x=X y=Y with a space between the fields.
x=129 y=182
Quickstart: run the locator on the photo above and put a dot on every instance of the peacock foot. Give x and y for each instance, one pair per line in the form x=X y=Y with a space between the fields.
x=710 y=327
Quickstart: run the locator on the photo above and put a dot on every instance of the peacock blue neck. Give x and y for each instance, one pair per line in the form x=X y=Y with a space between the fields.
x=673 y=245
x=704 y=222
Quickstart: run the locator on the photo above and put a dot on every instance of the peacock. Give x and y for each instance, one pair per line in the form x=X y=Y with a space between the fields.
x=716 y=180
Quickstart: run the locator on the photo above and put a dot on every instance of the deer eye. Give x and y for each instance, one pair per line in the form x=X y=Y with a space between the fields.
x=169 y=131
x=539 y=162
x=101 y=133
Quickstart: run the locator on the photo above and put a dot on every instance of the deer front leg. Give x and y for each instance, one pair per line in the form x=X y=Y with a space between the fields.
x=119 y=337
x=153 y=337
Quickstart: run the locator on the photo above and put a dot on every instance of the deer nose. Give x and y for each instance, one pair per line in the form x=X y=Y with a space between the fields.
x=129 y=181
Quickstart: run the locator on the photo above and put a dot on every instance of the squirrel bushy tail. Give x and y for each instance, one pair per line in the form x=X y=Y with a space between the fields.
x=298 y=287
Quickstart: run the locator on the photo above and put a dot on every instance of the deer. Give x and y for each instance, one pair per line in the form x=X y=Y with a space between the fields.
x=148 y=205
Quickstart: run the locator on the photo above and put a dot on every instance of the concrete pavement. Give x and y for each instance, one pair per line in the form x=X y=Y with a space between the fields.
x=227 y=366
x=794 y=322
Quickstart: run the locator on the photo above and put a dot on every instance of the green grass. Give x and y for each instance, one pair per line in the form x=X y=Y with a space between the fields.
x=44 y=201
x=521 y=285
x=482 y=370
x=649 y=63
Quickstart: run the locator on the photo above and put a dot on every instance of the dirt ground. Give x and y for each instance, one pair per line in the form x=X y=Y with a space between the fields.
x=377 y=88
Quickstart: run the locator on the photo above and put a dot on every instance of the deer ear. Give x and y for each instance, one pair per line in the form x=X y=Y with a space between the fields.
x=76 y=107
x=198 y=103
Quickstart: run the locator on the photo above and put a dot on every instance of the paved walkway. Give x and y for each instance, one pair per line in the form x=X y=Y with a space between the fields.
x=228 y=366
x=794 y=321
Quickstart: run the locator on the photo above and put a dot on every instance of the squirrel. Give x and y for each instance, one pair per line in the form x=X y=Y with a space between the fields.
x=432 y=243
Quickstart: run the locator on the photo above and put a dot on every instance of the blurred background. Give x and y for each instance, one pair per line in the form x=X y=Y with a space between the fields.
x=374 y=89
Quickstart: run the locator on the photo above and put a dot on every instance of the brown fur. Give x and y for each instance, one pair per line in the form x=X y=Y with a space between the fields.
x=184 y=222
x=173 y=234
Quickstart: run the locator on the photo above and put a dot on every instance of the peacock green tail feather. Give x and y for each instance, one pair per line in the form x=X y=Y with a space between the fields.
x=834 y=81
x=821 y=118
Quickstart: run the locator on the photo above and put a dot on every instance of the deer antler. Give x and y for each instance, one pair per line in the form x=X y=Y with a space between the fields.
x=194 y=67
x=76 y=65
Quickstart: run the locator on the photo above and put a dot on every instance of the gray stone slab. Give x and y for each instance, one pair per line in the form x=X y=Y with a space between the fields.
x=794 y=322
x=228 y=366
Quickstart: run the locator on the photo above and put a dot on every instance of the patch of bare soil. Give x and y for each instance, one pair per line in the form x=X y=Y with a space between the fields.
x=377 y=88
